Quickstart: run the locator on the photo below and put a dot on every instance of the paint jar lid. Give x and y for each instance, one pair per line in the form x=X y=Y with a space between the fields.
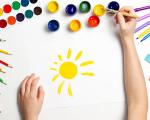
x=75 y=25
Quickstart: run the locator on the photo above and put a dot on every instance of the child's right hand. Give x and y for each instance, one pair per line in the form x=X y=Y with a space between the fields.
x=127 y=24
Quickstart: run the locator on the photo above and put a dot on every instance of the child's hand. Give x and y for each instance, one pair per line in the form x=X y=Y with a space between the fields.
x=127 y=24
x=30 y=98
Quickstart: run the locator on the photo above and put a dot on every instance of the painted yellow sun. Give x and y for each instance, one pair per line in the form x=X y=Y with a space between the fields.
x=69 y=69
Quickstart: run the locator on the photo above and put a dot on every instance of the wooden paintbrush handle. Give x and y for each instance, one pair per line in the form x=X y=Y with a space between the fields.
x=128 y=15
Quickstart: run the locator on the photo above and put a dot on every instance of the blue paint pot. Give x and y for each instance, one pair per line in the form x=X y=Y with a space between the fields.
x=114 y=5
x=53 y=25
x=71 y=10
x=24 y=3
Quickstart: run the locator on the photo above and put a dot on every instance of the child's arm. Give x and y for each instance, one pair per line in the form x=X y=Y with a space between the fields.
x=133 y=75
x=30 y=98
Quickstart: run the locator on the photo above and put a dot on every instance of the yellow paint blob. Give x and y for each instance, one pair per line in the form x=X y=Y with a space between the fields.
x=1 y=11
x=99 y=10
x=68 y=70
x=53 y=6
x=75 y=25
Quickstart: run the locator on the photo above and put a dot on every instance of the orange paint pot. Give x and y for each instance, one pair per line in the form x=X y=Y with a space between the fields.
x=11 y=20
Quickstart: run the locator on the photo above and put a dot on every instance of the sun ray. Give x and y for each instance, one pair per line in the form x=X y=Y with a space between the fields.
x=86 y=63
x=87 y=74
x=55 y=63
x=60 y=57
x=69 y=53
x=78 y=55
x=55 y=77
x=54 y=69
x=70 y=90
x=60 y=87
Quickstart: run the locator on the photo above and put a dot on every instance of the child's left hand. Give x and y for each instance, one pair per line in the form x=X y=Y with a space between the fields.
x=30 y=98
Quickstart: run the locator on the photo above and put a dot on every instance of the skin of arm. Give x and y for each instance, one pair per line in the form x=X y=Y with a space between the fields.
x=30 y=98
x=135 y=85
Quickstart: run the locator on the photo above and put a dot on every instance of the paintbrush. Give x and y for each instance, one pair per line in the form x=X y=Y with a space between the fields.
x=123 y=13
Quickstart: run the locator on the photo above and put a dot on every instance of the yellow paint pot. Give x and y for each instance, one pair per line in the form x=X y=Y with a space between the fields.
x=99 y=10
x=75 y=25
x=53 y=6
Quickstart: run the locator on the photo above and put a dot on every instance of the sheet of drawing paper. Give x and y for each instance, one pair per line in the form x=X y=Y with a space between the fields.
x=92 y=57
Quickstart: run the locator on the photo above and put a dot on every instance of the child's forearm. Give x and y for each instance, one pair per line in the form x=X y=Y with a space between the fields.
x=133 y=75
x=30 y=118
x=134 y=79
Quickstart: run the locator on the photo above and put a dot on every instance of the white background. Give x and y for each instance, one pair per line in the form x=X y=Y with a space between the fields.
x=34 y=49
